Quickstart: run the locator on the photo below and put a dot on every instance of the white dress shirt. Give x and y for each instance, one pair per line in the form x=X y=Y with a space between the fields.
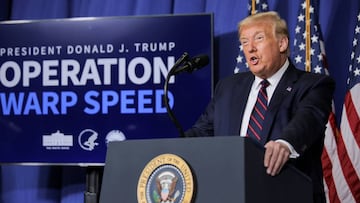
x=274 y=81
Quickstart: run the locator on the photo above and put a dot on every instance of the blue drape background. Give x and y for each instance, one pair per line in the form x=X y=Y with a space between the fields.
x=45 y=184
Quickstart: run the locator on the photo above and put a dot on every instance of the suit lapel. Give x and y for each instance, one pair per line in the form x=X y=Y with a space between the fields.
x=283 y=89
x=238 y=101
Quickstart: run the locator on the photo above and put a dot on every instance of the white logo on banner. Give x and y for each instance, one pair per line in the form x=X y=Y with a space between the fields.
x=57 y=140
x=115 y=135
x=87 y=139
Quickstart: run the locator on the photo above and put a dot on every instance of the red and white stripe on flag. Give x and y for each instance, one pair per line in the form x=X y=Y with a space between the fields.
x=341 y=157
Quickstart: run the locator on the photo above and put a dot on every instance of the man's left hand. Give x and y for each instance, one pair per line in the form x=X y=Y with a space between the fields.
x=276 y=155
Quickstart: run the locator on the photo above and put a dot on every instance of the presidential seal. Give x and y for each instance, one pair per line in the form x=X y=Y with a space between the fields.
x=165 y=179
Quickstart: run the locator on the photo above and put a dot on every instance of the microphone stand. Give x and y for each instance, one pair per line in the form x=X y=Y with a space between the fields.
x=172 y=72
x=93 y=184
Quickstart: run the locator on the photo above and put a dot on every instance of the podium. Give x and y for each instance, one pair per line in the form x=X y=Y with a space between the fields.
x=224 y=169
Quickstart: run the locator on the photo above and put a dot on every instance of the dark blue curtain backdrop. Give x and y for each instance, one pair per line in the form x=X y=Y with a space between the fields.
x=42 y=184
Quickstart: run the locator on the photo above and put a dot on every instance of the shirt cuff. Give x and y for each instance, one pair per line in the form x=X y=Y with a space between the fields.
x=293 y=153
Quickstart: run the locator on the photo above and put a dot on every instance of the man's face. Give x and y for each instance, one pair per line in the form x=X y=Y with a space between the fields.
x=264 y=53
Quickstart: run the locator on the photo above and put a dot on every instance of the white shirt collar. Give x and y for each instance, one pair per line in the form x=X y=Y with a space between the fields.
x=274 y=79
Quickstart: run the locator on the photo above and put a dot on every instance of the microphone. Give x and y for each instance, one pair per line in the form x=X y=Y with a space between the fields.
x=193 y=64
x=181 y=65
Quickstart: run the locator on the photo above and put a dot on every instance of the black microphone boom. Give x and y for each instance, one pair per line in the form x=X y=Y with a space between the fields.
x=181 y=65
x=193 y=64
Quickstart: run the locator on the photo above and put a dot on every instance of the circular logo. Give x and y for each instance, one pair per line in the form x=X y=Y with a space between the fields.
x=114 y=135
x=166 y=179
x=87 y=139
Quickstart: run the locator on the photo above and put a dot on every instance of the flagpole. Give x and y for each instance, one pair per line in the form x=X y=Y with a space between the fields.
x=308 y=40
x=253 y=7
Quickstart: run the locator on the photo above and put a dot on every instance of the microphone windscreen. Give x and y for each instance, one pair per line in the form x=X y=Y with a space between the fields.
x=200 y=60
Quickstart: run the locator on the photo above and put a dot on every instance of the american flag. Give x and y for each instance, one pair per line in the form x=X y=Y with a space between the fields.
x=260 y=6
x=316 y=49
x=339 y=176
x=343 y=154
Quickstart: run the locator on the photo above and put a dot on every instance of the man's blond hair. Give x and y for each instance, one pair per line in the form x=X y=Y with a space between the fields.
x=280 y=26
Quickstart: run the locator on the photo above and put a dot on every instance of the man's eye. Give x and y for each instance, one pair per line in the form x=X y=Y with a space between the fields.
x=259 y=37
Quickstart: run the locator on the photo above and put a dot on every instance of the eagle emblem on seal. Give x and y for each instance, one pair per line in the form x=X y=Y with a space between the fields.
x=165 y=188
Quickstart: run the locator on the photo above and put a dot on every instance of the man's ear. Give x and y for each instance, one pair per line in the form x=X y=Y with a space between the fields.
x=283 y=44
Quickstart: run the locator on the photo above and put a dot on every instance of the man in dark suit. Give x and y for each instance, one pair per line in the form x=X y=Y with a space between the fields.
x=298 y=102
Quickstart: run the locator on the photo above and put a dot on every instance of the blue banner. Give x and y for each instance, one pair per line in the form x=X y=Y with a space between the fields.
x=69 y=86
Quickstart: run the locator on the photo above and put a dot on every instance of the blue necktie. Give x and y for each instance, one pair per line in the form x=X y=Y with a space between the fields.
x=258 y=114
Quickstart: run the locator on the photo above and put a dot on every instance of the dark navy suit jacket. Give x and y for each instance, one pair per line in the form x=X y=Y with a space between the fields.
x=298 y=113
